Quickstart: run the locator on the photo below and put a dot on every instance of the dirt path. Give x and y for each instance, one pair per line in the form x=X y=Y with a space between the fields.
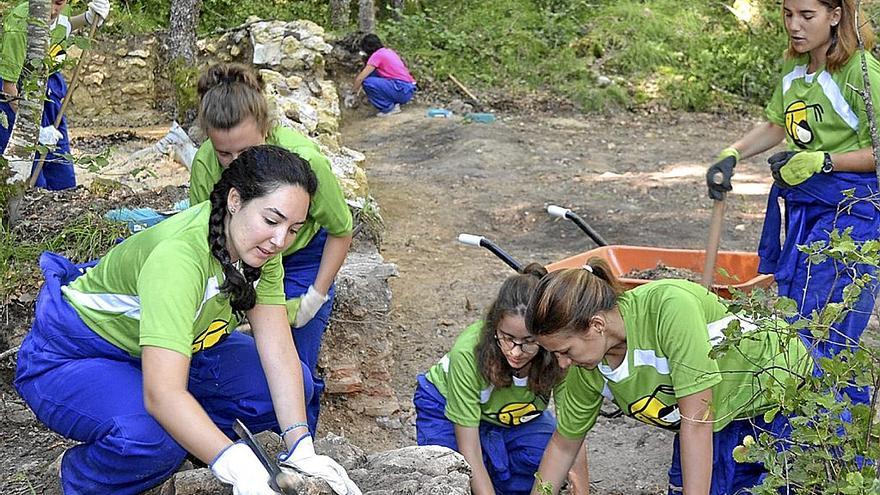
x=636 y=178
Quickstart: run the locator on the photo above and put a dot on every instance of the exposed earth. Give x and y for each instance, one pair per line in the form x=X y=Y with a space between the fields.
x=636 y=177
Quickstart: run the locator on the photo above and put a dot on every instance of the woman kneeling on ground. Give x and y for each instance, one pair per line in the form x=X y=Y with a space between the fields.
x=647 y=350
x=384 y=78
x=487 y=397
x=134 y=356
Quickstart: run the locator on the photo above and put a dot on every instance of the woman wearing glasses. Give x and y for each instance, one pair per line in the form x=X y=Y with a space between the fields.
x=487 y=397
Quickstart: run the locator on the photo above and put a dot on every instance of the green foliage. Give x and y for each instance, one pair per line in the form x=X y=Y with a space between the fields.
x=86 y=237
x=696 y=56
x=184 y=78
x=830 y=435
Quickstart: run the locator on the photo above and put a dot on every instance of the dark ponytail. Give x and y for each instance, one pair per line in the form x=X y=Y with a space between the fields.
x=256 y=172
x=565 y=300
x=513 y=300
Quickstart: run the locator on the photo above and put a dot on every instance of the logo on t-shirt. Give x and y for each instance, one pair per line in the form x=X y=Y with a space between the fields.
x=797 y=124
x=658 y=409
x=516 y=413
x=213 y=335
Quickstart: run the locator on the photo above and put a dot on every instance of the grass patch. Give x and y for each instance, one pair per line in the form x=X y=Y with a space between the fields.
x=85 y=238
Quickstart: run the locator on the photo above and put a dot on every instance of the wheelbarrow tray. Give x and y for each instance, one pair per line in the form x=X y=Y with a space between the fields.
x=741 y=267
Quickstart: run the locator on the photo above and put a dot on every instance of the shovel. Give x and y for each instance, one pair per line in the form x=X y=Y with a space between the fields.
x=714 y=236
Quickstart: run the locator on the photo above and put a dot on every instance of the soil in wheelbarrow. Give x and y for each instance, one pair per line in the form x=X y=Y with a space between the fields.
x=661 y=272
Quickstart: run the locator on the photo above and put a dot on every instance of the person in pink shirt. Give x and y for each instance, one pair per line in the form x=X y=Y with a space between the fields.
x=385 y=78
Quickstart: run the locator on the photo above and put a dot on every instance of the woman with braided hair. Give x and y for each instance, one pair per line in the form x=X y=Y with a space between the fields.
x=134 y=357
x=235 y=116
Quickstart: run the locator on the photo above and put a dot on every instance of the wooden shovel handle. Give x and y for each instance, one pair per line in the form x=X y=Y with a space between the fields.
x=714 y=241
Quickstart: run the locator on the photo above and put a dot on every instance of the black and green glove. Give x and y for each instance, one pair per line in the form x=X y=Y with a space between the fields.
x=791 y=168
x=718 y=175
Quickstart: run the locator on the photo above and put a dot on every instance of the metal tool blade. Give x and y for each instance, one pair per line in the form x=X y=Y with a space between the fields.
x=242 y=431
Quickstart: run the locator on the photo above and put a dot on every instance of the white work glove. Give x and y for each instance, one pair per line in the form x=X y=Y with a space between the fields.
x=350 y=100
x=49 y=135
x=309 y=305
x=238 y=466
x=101 y=8
x=303 y=459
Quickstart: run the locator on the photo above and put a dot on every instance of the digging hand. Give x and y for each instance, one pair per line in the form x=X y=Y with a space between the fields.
x=100 y=8
x=302 y=458
x=309 y=305
x=724 y=166
x=238 y=466
x=790 y=168
x=49 y=136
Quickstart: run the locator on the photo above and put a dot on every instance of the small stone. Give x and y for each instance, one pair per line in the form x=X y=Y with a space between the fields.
x=603 y=81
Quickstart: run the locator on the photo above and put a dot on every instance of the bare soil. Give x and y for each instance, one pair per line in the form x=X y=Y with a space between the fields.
x=636 y=177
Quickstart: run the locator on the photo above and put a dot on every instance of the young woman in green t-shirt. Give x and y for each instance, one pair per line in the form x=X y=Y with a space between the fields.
x=647 y=350
x=134 y=356
x=818 y=113
x=487 y=398
x=235 y=115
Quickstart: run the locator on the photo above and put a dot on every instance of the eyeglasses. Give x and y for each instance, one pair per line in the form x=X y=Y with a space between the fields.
x=507 y=344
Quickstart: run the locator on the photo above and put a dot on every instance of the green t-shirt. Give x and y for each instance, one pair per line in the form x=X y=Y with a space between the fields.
x=470 y=398
x=328 y=208
x=161 y=287
x=13 y=44
x=671 y=326
x=824 y=111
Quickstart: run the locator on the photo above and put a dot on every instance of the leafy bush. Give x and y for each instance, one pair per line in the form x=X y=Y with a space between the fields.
x=834 y=443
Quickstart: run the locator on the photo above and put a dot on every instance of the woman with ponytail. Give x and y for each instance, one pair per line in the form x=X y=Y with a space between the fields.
x=134 y=356
x=818 y=109
x=235 y=115
x=487 y=397
x=647 y=350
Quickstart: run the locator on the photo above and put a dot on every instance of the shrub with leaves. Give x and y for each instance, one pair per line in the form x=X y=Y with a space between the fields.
x=834 y=443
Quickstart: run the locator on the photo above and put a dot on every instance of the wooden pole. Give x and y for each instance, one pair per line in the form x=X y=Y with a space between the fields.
x=714 y=241
x=463 y=88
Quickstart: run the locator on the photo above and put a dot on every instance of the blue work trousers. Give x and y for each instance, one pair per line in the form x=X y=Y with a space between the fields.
x=89 y=390
x=57 y=172
x=728 y=476
x=300 y=271
x=384 y=93
x=812 y=210
x=511 y=454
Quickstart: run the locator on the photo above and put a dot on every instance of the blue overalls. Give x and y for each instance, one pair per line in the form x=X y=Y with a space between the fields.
x=87 y=389
x=810 y=211
x=384 y=92
x=57 y=172
x=300 y=271
x=511 y=454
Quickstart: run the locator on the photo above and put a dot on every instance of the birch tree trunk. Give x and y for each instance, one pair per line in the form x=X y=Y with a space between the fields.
x=25 y=134
x=340 y=12
x=182 y=30
x=366 y=16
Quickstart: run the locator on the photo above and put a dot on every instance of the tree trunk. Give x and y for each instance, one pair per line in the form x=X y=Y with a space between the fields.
x=180 y=57
x=366 y=16
x=25 y=134
x=397 y=6
x=181 y=41
x=340 y=12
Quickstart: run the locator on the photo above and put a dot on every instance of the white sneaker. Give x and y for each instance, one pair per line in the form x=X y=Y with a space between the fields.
x=394 y=109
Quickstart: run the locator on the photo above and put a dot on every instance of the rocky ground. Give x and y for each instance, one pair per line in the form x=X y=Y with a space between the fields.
x=636 y=177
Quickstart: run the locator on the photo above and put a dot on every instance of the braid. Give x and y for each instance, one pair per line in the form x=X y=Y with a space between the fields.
x=256 y=172
x=237 y=285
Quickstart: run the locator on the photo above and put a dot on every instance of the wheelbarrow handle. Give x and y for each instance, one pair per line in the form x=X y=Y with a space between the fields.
x=560 y=212
x=478 y=240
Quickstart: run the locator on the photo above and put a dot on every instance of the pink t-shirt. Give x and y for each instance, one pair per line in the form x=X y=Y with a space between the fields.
x=389 y=65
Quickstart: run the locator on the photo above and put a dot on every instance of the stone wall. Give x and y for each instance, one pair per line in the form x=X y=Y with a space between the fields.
x=117 y=85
